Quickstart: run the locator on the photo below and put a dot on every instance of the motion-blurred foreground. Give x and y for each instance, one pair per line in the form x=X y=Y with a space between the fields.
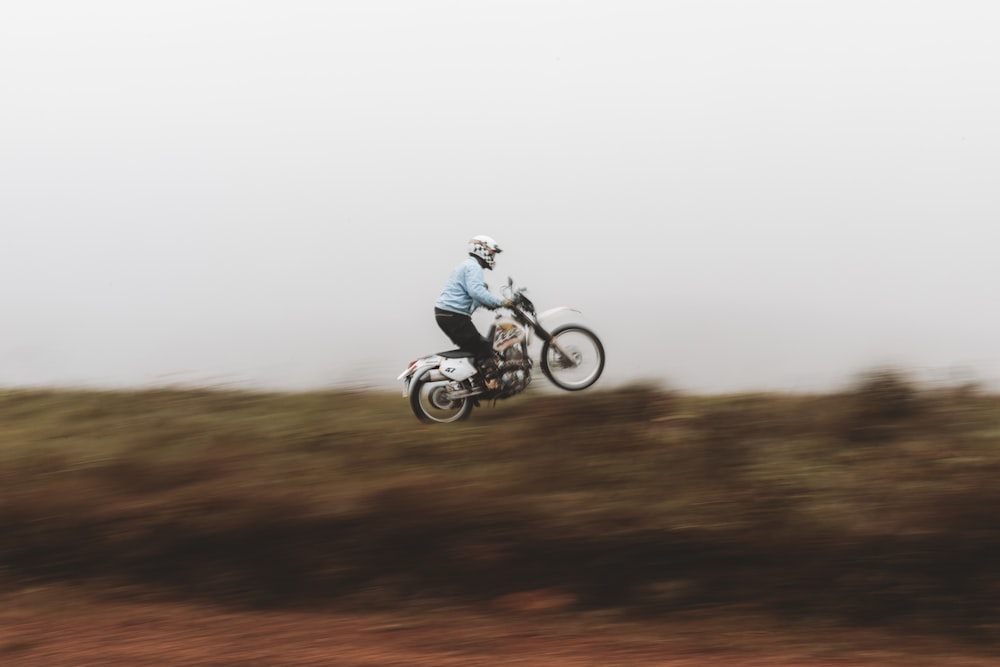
x=875 y=506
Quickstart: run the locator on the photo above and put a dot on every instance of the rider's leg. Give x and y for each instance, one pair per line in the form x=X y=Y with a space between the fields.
x=463 y=333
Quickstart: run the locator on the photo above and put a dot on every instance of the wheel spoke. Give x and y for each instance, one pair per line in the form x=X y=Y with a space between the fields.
x=574 y=358
x=433 y=402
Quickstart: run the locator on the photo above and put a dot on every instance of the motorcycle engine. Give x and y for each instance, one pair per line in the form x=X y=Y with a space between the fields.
x=514 y=379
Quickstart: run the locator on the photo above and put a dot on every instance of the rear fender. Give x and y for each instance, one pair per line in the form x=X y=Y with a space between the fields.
x=420 y=366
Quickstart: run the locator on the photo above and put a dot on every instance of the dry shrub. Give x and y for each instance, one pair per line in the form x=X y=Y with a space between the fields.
x=880 y=404
x=629 y=404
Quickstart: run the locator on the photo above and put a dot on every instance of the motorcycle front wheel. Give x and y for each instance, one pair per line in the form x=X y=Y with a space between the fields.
x=573 y=358
x=431 y=403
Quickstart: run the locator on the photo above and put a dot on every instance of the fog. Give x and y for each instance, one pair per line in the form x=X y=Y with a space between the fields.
x=737 y=196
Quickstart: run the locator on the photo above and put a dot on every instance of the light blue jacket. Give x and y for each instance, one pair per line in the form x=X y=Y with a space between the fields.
x=466 y=290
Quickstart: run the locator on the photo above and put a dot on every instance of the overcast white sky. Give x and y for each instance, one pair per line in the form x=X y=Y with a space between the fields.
x=738 y=195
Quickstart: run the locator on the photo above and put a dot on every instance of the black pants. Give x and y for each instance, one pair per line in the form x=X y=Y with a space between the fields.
x=463 y=333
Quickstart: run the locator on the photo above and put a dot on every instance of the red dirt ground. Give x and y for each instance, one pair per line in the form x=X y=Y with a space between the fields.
x=53 y=628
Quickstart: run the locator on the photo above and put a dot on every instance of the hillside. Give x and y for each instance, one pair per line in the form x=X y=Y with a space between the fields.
x=872 y=508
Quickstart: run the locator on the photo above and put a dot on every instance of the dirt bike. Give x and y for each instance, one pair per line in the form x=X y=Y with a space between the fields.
x=444 y=387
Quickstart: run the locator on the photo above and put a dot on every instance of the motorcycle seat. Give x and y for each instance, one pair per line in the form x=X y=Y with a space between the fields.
x=455 y=354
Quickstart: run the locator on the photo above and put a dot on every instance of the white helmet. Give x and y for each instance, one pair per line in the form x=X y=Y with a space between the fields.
x=484 y=248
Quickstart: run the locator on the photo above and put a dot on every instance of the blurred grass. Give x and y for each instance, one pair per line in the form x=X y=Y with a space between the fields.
x=873 y=505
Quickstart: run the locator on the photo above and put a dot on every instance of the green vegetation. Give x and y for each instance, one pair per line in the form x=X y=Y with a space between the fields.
x=877 y=505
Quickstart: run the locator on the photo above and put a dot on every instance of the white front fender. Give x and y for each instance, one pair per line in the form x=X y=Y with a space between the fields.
x=552 y=311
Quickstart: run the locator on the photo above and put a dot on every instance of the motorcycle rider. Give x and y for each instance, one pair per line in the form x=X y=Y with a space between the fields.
x=465 y=291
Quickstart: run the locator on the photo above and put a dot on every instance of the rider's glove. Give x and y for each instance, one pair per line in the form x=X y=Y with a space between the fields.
x=507 y=303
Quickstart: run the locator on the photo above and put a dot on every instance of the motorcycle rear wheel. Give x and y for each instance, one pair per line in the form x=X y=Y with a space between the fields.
x=584 y=362
x=431 y=404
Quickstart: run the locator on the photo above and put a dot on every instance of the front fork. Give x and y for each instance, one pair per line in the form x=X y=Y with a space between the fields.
x=546 y=336
x=554 y=342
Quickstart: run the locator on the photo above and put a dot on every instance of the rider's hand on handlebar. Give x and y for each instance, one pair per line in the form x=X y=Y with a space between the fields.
x=507 y=303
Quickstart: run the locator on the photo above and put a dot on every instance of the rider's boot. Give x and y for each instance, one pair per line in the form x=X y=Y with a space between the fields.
x=490 y=370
